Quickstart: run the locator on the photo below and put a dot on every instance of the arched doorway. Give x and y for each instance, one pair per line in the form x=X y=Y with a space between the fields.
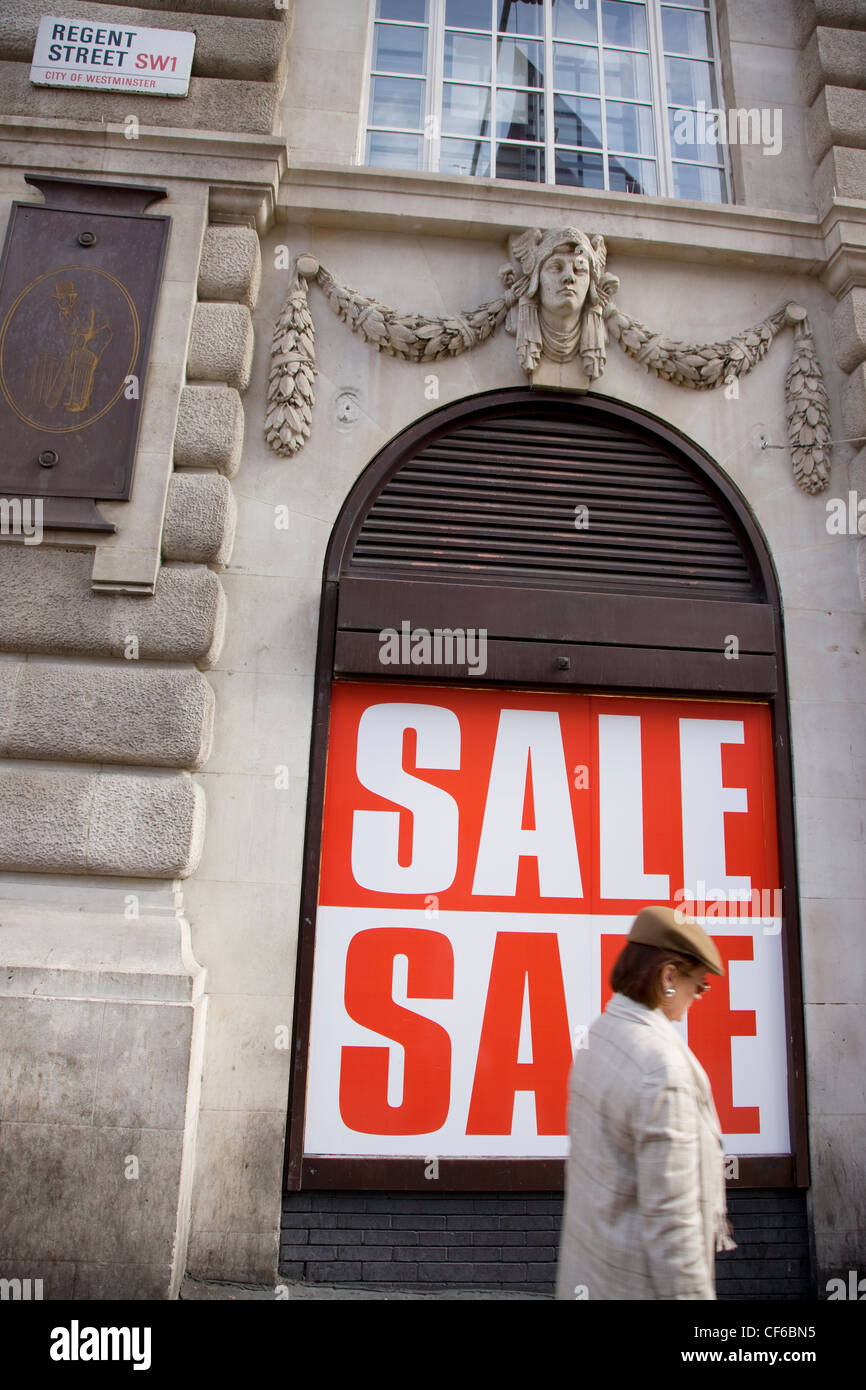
x=617 y=576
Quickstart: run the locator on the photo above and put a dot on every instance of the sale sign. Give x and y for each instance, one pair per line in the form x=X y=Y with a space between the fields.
x=484 y=853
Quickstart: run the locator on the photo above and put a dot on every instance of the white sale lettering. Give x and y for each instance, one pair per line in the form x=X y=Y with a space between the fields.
x=375 y=837
x=524 y=739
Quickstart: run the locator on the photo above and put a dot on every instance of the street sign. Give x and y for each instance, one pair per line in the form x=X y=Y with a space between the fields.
x=113 y=57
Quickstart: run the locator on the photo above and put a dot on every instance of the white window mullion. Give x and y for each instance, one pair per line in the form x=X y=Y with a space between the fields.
x=361 y=148
x=605 y=161
x=435 y=84
x=717 y=70
x=494 y=27
x=549 y=127
x=658 y=80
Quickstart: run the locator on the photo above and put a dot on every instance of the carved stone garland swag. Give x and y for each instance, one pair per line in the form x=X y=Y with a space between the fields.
x=420 y=338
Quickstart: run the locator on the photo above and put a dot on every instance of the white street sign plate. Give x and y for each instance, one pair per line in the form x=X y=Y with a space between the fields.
x=85 y=56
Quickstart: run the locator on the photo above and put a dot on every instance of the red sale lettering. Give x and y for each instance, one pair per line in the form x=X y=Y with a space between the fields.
x=427 y=1066
x=524 y=964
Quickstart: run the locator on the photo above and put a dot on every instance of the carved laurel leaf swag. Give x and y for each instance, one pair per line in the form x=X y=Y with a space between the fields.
x=426 y=339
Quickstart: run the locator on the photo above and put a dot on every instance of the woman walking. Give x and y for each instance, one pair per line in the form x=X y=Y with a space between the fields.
x=645 y=1205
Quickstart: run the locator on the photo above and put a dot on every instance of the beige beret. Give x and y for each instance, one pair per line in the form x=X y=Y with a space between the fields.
x=658 y=926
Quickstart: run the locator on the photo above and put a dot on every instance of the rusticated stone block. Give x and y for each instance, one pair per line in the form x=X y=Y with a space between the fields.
x=246 y=9
x=837 y=116
x=231 y=265
x=224 y=47
x=221 y=347
x=105 y=714
x=849 y=329
x=214 y=103
x=200 y=519
x=71 y=821
x=841 y=174
x=49 y=608
x=834 y=14
x=837 y=56
x=210 y=429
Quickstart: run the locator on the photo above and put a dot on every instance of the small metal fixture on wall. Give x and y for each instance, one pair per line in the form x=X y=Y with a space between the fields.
x=79 y=285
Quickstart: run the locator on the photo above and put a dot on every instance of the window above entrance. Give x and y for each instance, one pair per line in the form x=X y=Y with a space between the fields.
x=578 y=93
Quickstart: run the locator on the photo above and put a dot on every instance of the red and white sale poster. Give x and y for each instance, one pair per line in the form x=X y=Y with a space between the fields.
x=484 y=853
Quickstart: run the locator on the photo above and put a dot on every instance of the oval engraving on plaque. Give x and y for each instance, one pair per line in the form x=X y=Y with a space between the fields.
x=67 y=345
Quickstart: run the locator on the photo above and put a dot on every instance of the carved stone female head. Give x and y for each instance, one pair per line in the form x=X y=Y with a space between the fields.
x=559 y=283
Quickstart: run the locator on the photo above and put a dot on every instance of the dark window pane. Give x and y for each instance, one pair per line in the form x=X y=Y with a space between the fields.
x=520 y=62
x=689 y=82
x=627 y=75
x=697 y=134
x=573 y=22
x=520 y=162
x=469 y=14
x=467 y=57
x=579 y=170
x=519 y=115
x=575 y=69
x=397 y=101
x=685 y=31
x=699 y=184
x=394 y=151
x=465 y=157
x=414 y=11
x=520 y=17
x=630 y=128
x=577 y=121
x=690 y=4
x=632 y=175
x=623 y=24
x=398 y=49
x=465 y=110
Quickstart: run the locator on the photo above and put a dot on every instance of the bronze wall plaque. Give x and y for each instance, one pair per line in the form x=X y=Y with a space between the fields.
x=79 y=286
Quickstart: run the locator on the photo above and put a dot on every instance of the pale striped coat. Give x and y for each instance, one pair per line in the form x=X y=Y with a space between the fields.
x=645 y=1194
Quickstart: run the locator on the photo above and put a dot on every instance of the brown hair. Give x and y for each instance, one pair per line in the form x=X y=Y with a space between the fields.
x=637 y=971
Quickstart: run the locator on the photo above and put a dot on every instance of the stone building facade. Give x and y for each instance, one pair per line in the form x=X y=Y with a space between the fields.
x=158 y=683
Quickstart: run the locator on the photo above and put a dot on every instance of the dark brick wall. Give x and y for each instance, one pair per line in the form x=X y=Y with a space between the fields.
x=772 y=1259
x=499 y=1241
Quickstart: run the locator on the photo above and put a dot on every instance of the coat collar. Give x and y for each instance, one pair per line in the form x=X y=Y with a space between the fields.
x=620 y=1006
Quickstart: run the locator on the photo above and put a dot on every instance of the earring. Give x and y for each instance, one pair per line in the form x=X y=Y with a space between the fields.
x=669 y=993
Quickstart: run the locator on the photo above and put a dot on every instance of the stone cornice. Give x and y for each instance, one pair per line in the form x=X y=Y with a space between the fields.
x=243 y=170
x=488 y=209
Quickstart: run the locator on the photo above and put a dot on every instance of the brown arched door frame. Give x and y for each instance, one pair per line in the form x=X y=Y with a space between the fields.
x=354 y=610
